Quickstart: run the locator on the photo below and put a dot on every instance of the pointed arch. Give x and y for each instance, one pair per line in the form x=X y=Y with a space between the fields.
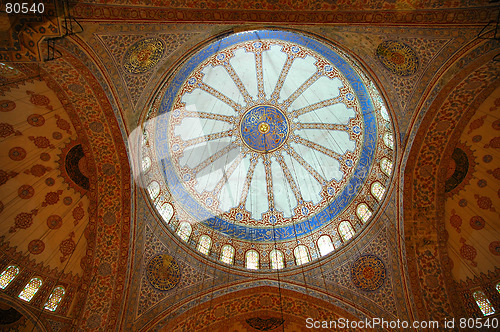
x=8 y=274
x=377 y=190
x=386 y=166
x=227 y=254
x=301 y=254
x=30 y=289
x=483 y=303
x=204 y=244
x=184 y=231
x=325 y=245
x=345 y=230
x=277 y=259
x=55 y=298
x=363 y=212
x=252 y=259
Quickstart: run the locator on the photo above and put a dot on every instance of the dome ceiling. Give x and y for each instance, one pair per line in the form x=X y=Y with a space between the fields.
x=44 y=179
x=473 y=197
x=268 y=137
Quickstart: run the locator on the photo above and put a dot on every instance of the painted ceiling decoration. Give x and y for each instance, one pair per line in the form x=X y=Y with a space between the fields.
x=163 y=272
x=268 y=137
x=143 y=55
x=245 y=165
x=399 y=58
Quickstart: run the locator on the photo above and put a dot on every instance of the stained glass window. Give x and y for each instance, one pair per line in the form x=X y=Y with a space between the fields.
x=483 y=303
x=325 y=245
x=301 y=254
x=8 y=275
x=498 y=287
x=378 y=190
x=154 y=189
x=277 y=261
x=204 y=244
x=184 y=231
x=363 y=212
x=386 y=166
x=227 y=254
x=55 y=298
x=165 y=208
x=389 y=140
x=146 y=163
x=30 y=289
x=252 y=259
x=346 y=231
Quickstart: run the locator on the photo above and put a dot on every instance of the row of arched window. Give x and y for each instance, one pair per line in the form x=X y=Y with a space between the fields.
x=483 y=302
x=252 y=257
x=31 y=288
x=301 y=253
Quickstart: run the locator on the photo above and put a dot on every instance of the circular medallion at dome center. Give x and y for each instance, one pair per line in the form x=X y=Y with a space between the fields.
x=264 y=128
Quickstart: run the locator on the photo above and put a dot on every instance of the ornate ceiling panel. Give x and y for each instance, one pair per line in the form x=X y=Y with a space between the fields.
x=268 y=136
x=44 y=178
x=315 y=5
x=473 y=195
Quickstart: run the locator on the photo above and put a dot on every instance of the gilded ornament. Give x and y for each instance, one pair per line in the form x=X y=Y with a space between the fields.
x=163 y=272
x=143 y=55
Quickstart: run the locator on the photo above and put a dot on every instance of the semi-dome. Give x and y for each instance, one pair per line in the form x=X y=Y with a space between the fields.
x=267 y=149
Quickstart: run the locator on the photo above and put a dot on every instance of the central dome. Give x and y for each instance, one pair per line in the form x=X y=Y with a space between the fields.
x=264 y=139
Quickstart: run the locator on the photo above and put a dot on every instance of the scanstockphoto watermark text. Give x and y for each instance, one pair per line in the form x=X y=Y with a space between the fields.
x=374 y=323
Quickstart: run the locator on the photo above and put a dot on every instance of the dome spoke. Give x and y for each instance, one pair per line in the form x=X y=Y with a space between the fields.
x=206 y=138
x=260 y=75
x=316 y=106
x=325 y=126
x=217 y=94
x=214 y=157
x=284 y=71
x=269 y=182
x=310 y=81
x=205 y=115
x=289 y=178
x=236 y=79
x=227 y=174
x=318 y=147
x=306 y=165
x=248 y=181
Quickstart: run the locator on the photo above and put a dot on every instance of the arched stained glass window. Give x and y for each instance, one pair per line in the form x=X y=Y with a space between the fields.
x=154 y=189
x=346 y=231
x=378 y=190
x=227 y=254
x=389 y=140
x=146 y=163
x=483 y=303
x=325 y=245
x=165 y=208
x=204 y=244
x=301 y=254
x=386 y=166
x=184 y=231
x=252 y=259
x=363 y=212
x=277 y=261
x=30 y=289
x=55 y=298
x=8 y=275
